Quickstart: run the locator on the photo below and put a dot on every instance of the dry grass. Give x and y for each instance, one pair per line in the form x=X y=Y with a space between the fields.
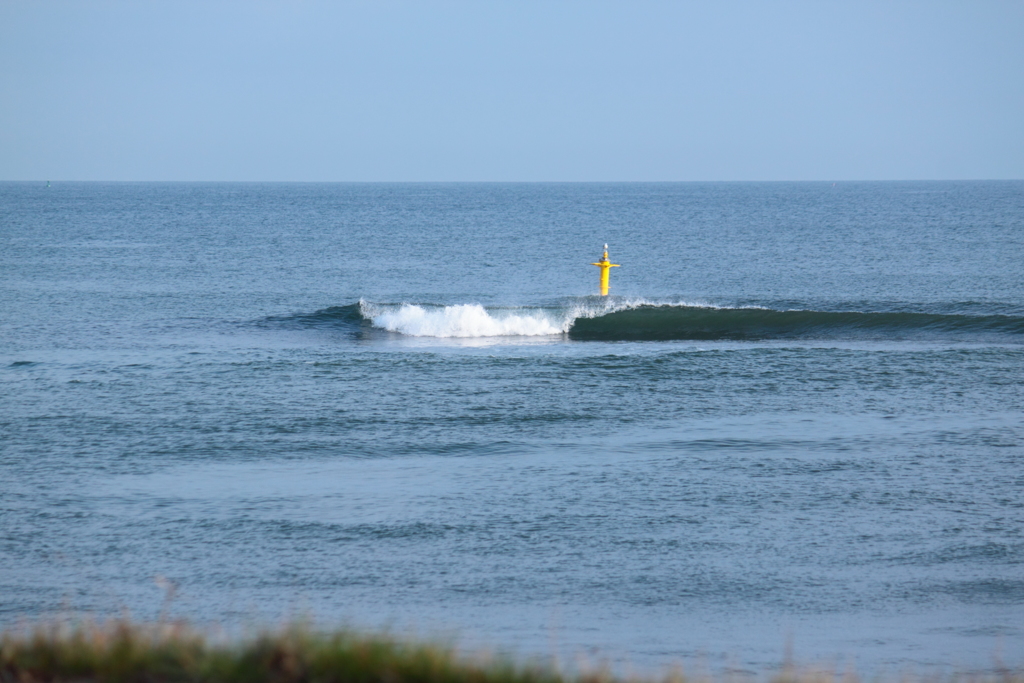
x=126 y=652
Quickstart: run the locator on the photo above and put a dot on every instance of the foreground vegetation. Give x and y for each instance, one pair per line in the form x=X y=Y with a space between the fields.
x=125 y=652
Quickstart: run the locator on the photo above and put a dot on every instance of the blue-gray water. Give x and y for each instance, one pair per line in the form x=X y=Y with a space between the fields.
x=797 y=419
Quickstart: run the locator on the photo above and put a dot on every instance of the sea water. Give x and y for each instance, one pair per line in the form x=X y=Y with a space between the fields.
x=795 y=425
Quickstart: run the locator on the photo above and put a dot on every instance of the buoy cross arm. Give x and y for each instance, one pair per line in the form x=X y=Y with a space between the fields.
x=604 y=264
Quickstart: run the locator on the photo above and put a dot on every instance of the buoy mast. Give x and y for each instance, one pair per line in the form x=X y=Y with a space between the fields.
x=605 y=265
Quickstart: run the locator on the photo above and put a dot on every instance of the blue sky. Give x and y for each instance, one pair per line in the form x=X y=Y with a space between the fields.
x=511 y=91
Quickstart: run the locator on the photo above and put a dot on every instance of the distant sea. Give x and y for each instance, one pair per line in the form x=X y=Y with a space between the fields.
x=797 y=422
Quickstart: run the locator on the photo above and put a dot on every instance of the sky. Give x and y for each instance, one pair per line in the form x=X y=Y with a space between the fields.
x=523 y=90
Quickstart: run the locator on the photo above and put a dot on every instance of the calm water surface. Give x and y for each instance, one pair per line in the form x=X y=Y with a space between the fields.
x=797 y=419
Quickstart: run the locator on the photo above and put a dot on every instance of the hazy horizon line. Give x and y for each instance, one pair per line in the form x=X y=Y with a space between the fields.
x=524 y=182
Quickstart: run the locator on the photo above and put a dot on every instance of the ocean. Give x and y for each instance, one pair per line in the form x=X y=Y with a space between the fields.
x=793 y=428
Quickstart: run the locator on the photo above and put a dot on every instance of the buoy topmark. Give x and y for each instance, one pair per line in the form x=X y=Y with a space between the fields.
x=605 y=265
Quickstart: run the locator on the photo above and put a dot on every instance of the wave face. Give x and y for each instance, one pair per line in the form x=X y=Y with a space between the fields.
x=349 y=318
x=586 y=320
x=662 y=322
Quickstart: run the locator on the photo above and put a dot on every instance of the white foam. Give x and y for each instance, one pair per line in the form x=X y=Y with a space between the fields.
x=464 y=320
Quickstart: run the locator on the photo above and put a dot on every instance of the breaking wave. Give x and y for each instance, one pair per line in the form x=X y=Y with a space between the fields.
x=620 y=320
x=465 y=320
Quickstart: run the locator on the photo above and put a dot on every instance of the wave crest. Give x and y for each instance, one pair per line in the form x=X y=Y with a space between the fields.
x=623 y=320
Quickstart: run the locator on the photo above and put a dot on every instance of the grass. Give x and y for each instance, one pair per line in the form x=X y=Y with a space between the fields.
x=125 y=652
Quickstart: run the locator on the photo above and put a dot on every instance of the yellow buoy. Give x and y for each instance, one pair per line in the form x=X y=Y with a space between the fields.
x=605 y=265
